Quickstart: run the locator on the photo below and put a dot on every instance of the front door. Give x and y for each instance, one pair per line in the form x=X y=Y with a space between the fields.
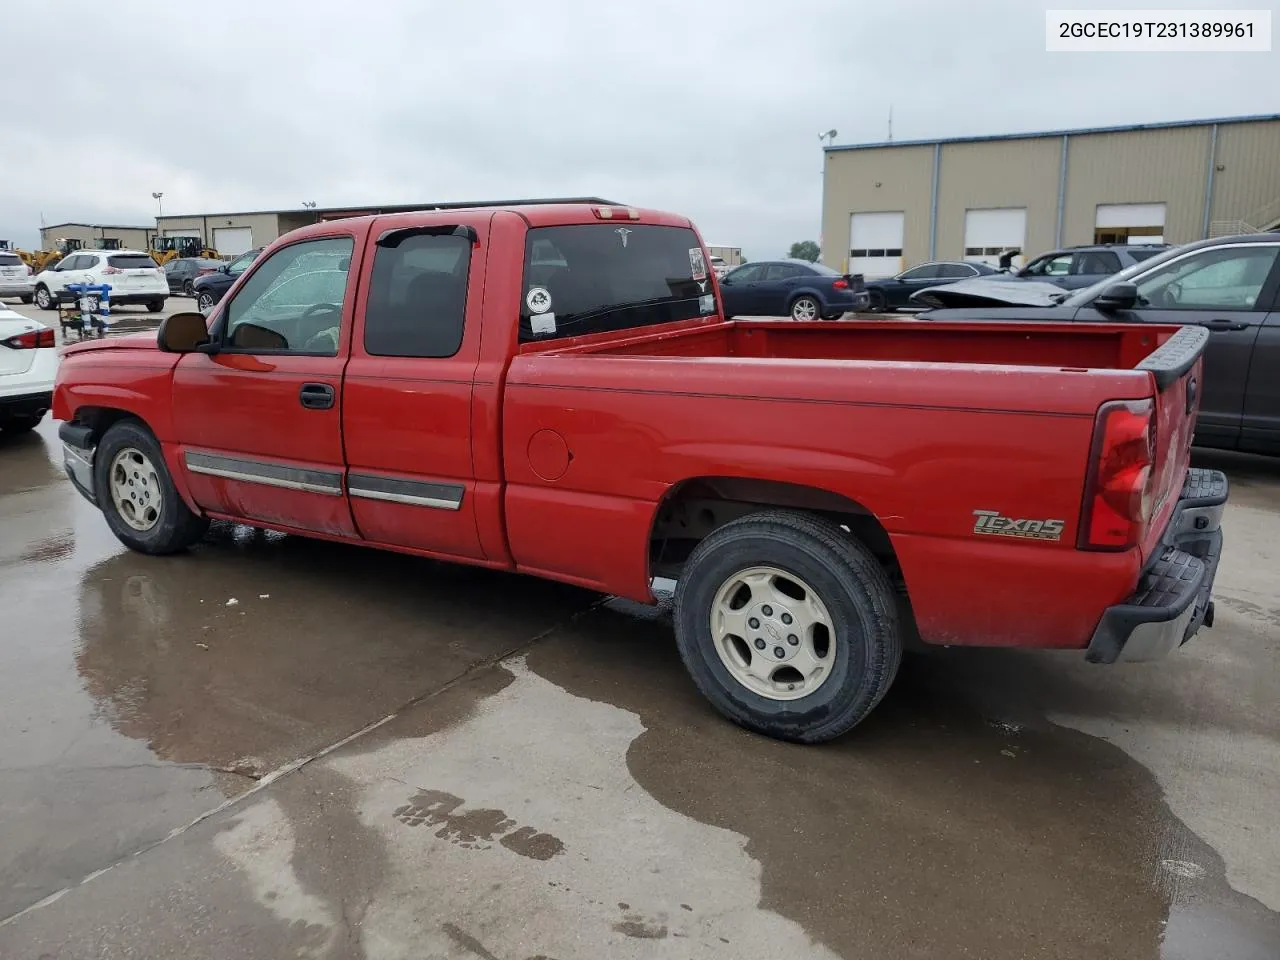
x=740 y=290
x=1260 y=428
x=407 y=406
x=1228 y=290
x=259 y=422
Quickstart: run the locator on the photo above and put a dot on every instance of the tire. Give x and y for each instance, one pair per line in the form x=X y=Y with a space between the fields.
x=44 y=299
x=173 y=527
x=155 y=306
x=805 y=308
x=25 y=298
x=833 y=316
x=20 y=424
x=188 y=289
x=877 y=303
x=864 y=644
x=204 y=301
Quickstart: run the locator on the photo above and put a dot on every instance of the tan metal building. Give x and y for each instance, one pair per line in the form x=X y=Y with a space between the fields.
x=96 y=235
x=889 y=206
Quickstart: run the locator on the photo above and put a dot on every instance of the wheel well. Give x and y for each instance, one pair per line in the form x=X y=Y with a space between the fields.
x=695 y=508
x=692 y=510
x=100 y=419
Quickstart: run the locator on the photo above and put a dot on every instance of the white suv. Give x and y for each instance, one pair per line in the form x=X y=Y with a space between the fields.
x=133 y=276
x=15 y=277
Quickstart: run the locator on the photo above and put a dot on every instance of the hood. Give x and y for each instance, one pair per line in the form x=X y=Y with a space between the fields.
x=991 y=292
x=145 y=340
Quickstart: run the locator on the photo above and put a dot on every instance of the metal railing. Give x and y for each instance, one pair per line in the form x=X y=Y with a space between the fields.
x=1261 y=220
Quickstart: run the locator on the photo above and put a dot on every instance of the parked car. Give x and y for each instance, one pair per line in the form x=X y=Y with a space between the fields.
x=28 y=362
x=1228 y=286
x=460 y=395
x=134 y=278
x=1074 y=268
x=719 y=267
x=795 y=288
x=15 y=277
x=181 y=274
x=209 y=288
x=891 y=293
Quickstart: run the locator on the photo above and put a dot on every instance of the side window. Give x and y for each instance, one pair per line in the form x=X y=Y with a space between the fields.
x=926 y=271
x=956 y=271
x=752 y=271
x=417 y=296
x=1058 y=266
x=783 y=271
x=1228 y=278
x=1096 y=262
x=293 y=301
x=173 y=266
x=240 y=265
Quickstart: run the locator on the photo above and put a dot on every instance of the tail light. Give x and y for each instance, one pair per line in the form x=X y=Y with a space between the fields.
x=28 y=269
x=112 y=270
x=841 y=284
x=31 y=340
x=1118 y=495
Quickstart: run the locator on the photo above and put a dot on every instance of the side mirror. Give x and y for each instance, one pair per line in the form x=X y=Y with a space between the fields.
x=1118 y=296
x=183 y=333
x=225 y=268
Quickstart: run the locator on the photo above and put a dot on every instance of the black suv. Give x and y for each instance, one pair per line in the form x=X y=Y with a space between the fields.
x=1075 y=267
x=1230 y=286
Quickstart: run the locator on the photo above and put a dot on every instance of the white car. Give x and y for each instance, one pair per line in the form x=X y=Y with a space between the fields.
x=15 y=277
x=28 y=362
x=132 y=275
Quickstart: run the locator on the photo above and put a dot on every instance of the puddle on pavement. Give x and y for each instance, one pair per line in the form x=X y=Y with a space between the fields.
x=956 y=821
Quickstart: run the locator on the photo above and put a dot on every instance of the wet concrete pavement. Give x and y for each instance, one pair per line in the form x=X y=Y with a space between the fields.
x=375 y=756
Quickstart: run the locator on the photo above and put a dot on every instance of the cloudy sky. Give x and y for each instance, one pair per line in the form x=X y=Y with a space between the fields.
x=708 y=108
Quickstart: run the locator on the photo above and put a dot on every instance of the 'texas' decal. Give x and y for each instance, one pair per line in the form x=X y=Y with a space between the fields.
x=992 y=524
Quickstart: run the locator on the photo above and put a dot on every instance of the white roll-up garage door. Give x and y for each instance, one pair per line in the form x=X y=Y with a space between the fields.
x=989 y=233
x=1129 y=222
x=232 y=241
x=875 y=244
x=182 y=233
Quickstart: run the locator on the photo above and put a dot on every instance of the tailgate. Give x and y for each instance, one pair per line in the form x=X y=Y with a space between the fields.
x=1175 y=368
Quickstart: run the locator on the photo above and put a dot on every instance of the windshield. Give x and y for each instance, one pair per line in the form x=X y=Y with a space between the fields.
x=594 y=277
x=1086 y=295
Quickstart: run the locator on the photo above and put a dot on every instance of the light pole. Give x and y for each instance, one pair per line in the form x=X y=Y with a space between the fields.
x=828 y=139
x=309 y=204
x=156 y=195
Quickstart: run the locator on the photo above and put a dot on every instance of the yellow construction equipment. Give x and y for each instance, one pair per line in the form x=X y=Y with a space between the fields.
x=164 y=249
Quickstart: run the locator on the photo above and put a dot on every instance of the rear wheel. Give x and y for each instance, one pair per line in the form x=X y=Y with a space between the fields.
x=25 y=298
x=137 y=495
x=877 y=303
x=188 y=290
x=805 y=308
x=44 y=299
x=788 y=625
x=155 y=306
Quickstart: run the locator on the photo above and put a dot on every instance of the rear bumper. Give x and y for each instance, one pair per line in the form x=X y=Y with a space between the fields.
x=25 y=404
x=1174 y=596
x=17 y=288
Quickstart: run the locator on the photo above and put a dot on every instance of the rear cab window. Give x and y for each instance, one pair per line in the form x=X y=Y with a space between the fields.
x=592 y=278
x=417 y=295
x=10 y=260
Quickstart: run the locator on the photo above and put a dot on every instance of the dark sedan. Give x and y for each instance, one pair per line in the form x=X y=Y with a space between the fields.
x=182 y=273
x=891 y=293
x=794 y=288
x=1229 y=285
x=210 y=287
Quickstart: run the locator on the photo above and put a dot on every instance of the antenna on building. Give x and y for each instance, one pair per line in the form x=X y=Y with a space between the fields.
x=891 y=123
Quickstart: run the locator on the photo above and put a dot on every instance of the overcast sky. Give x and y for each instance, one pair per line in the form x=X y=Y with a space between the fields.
x=711 y=109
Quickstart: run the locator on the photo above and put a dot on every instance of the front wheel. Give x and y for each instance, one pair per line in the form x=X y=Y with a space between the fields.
x=805 y=308
x=137 y=495
x=877 y=303
x=204 y=303
x=188 y=290
x=44 y=299
x=788 y=625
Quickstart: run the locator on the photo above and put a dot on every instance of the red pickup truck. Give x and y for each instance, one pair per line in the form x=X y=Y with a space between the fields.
x=553 y=389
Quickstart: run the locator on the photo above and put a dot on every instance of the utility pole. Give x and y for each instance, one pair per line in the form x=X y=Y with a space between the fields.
x=891 y=123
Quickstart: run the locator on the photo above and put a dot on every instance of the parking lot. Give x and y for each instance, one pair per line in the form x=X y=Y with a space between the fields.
x=124 y=320
x=274 y=747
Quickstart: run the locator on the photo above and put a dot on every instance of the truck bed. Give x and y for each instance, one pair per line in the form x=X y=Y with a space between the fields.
x=1062 y=345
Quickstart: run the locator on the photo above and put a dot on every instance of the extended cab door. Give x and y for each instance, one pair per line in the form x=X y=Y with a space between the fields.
x=407 y=399
x=260 y=420
x=1229 y=290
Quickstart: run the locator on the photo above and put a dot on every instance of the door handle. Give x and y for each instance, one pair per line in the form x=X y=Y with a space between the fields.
x=1219 y=323
x=316 y=396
